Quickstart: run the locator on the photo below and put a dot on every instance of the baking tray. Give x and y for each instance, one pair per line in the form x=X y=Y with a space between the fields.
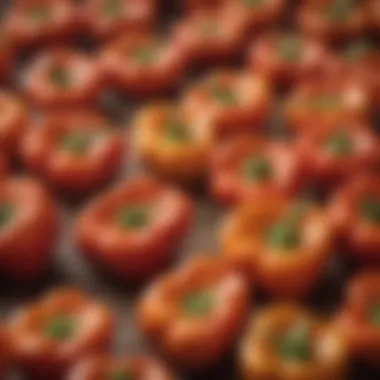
x=70 y=268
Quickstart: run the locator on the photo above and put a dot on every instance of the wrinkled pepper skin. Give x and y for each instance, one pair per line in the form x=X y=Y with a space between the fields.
x=286 y=342
x=354 y=209
x=172 y=144
x=53 y=333
x=62 y=78
x=246 y=167
x=281 y=245
x=28 y=228
x=133 y=229
x=359 y=316
x=126 y=367
x=76 y=152
x=195 y=313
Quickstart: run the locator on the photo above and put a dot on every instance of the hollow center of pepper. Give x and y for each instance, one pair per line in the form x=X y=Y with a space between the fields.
x=78 y=143
x=224 y=95
x=39 y=13
x=132 y=217
x=325 y=102
x=256 y=168
x=6 y=214
x=369 y=209
x=197 y=304
x=113 y=8
x=339 y=10
x=60 y=328
x=288 y=48
x=374 y=314
x=144 y=55
x=60 y=77
x=120 y=375
x=294 y=344
x=176 y=131
x=357 y=51
x=339 y=144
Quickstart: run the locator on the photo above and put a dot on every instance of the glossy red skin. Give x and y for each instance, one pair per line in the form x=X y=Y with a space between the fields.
x=363 y=339
x=85 y=91
x=13 y=123
x=254 y=95
x=357 y=237
x=353 y=96
x=134 y=255
x=27 y=33
x=328 y=170
x=6 y=56
x=198 y=48
x=71 y=173
x=140 y=17
x=40 y=357
x=311 y=21
x=263 y=58
x=27 y=242
x=200 y=342
x=139 y=79
x=141 y=367
x=227 y=184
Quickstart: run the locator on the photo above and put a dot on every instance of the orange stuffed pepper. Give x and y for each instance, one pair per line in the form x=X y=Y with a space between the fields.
x=355 y=209
x=283 y=245
x=13 y=124
x=133 y=229
x=120 y=368
x=28 y=228
x=326 y=102
x=110 y=18
x=231 y=101
x=63 y=78
x=288 y=58
x=286 y=342
x=76 y=152
x=359 y=316
x=334 y=154
x=53 y=333
x=37 y=22
x=246 y=167
x=171 y=144
x=195 y=313
x=209 y=36
x=332 y=20
x=142 y=64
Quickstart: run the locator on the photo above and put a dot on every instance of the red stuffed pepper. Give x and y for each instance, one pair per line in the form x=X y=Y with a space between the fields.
x=359 y=317
x=283 y=245
x=373 y=15
x=77 y=152
x=63 y=78
x=143 y=64
x=110 y=18
x=5 y=352
x=80 y=15
x=355 y=209
x=194 y=314
x=332 y=20
x=286 y=342
x=171 y=144
x=6 y=55
x=200 y=5
x=288 y=57
x=3 y=167
x=246 y=167
x=133 y=230
x=231 y=101
x=326 y=102
x=209 y=36
x=28 y=228
x=13 y=123
x=36 y=22
x=52 y=334
x=103 y=367
x=334 y=154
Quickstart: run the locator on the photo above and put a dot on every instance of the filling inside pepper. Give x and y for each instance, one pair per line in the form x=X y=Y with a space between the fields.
x=370 y=210
x=6 y=214
x=339 y=10
x=224 y=95
x=357 y=51
x=325 y=102
x=113 y=8
x=176 y=131
x=60 y=328
x=339 y=144
x=289 y=48
x=252 y=3
x=60 y=77
x=283 y=235
x=256 y=168
x=144 y=55
x=197 y=304
x=77 y=143
x=374 y=315
x=294 y=344
x=39 y=13
x=120 y=375
x=132 y=217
